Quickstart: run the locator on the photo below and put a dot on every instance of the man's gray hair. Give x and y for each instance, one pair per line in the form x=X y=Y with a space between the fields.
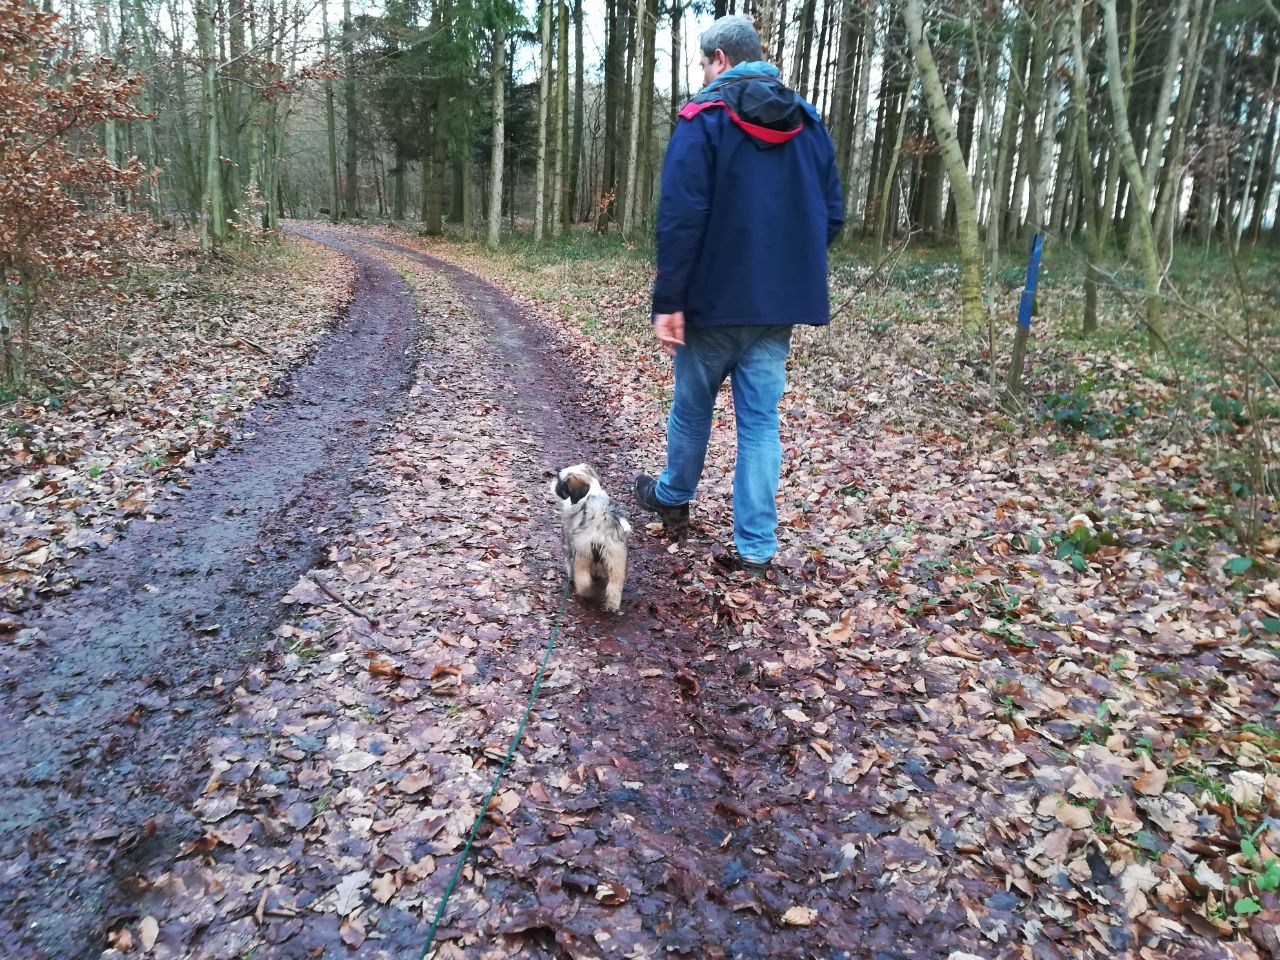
x=736 y=35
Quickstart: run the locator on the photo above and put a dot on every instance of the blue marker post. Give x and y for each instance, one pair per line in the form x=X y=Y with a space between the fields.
x=1025 y=306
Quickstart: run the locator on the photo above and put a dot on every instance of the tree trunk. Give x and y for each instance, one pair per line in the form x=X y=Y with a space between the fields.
x=630 y=205
x=1267 y=124
x=1205 y=218
x=854 y=180
x=964 y=127
x=1089 y=207
x=233 y=99
x=1156 y=136
x=575 y=159
x=439 y=158
x=1263 y=200
x=397 y=212
x=631 y=43
x=110 y=132
x=821 y=53
x=841 y=104
x=496 y=154
x=1006 y=148
x=544 y=120
x=1129 y=157
x=331 y=128
x=806 y=48
x=986 y=94
x=612 y=70
x=561 y=214
x=1034 y=96
x=1037 y=215
x=644 y=199
x=891 y=171
x=677 y=60
x=1064 y=181
x=212 y=203
x=187 y=151
x=780 y=56
x=1188 y=85
x=349 y=95
x=966 y=208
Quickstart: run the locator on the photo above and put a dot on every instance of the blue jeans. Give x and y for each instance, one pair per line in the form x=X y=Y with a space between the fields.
x=754 y=357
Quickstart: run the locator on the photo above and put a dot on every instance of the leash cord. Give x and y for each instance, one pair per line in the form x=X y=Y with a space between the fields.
x=511 y=752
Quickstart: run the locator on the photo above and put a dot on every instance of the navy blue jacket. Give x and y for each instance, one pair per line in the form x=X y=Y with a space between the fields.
x=750 y=202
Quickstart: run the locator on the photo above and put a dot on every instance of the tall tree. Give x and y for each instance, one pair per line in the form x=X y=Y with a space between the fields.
x=560 y=208
x=801 y=78
x=957 y=172
x=1088 y=199
x=1157 y=135
x=630 y=206
x=1038 y=211
x=677 y=59
x=331 y=126
x=575 y=160
x=212 y=203
x=349 y=95
x=544 y=120
x=499 y=83
x=1129 y=157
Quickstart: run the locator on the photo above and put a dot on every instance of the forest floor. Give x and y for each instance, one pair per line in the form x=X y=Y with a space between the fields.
x=990 y=707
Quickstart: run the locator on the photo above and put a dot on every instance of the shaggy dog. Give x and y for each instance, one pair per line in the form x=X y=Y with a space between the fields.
x=595 y=535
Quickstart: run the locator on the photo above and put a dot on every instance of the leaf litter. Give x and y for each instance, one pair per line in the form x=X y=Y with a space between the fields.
x=934 y=736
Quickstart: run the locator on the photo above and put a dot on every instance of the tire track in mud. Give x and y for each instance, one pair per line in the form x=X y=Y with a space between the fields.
x=105 y=705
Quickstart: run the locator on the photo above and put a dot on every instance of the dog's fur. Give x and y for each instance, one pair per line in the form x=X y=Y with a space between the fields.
x=595 y=535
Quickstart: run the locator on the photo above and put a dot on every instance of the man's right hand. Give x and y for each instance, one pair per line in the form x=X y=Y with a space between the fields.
x=669 y=328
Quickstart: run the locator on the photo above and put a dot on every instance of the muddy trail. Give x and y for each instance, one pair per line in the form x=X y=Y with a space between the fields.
x=672 y=796
x=113 y=688
x=700 y=821
x=700 y=816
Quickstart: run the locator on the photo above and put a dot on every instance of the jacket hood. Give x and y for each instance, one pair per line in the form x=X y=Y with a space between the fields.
x=757 y=101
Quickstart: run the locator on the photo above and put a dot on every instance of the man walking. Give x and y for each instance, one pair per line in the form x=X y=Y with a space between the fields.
x=750 y=202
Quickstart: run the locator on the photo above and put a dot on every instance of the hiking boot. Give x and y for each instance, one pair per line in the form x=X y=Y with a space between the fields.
x=733 y=563
x=673 y=518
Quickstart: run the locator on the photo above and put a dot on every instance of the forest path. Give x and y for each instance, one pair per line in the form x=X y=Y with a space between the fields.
x=667 y=800
x=671 y=798
x=107 y=703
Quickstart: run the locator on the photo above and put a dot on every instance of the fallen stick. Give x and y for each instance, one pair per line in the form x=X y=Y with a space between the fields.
x=337 y=599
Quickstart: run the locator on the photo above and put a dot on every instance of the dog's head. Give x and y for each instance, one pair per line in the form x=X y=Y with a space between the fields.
x=574 y=483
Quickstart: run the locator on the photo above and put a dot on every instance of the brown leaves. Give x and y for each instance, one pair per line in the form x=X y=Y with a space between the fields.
x=97 y=453
x=349 y=893
x=1152 y=781
x=612 y=894
x=800 y=916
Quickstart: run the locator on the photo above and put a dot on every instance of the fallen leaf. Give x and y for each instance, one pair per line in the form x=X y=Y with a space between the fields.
x=352 y=933
x=1152 y=782
x=384 y=887
x=148 y=931
x=349 y=892
x=800 y=916
x=612 y=894
x=354 y=760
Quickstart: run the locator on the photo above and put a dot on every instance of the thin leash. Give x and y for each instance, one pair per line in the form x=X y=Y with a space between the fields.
x=511 y=752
